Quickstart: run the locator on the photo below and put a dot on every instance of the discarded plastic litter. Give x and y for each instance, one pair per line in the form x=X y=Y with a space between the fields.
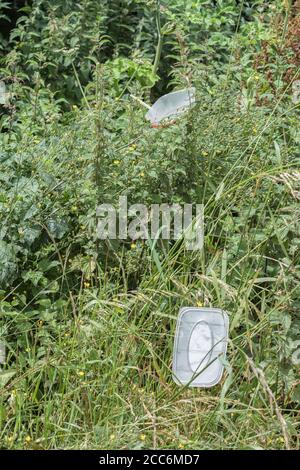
x=2 y=352
x=171 y=105
x=3 y=94
x=199 y=346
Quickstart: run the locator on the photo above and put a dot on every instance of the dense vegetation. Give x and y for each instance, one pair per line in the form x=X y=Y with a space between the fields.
x=88 y=325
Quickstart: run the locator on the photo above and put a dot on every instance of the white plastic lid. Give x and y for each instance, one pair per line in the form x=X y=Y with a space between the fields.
x=171 y=105
x=200 y=344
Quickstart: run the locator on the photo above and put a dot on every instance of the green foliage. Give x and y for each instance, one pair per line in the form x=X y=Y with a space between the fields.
x=89 y=324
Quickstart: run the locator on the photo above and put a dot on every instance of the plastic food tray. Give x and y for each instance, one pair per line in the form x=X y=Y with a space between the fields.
x=200 y=344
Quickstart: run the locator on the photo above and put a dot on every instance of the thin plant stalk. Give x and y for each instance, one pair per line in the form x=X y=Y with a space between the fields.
x=160 y=39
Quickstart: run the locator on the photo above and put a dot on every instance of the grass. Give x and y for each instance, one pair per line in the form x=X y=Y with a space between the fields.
x=106 y=380
x=89 y=361
x=102 y=377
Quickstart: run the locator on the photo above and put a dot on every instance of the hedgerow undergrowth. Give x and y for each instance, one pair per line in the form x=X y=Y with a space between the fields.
x=89 y=325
